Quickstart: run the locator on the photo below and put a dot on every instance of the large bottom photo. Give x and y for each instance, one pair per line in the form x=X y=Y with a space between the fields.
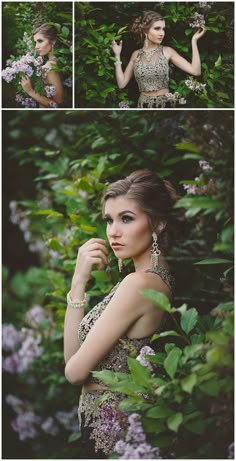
x=118 y=285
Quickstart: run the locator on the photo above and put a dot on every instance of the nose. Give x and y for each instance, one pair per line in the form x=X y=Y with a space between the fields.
x=113 y=230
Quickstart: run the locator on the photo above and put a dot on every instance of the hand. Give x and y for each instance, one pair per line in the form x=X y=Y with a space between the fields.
x=117 y=48
x=92 y=252
x=199 y=33
x=26 y=84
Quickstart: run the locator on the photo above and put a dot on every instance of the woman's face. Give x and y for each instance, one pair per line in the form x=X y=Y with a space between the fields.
x=43 y=46
x=156 y=32
x=128 y=229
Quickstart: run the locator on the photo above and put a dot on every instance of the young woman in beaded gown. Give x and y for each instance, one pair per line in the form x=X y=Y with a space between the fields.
x=140 y=221
x=150 y=64
x=45 y=37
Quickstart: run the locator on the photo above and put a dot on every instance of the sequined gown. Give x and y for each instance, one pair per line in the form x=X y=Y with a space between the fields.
x=100 y=426
x=151 y=71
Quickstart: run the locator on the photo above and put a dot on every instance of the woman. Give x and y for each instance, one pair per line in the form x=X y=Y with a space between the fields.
x=150 y=64
x=45 y=37
x=140 y=221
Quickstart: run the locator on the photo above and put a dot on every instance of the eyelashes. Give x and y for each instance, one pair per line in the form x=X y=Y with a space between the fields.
x=125 y=219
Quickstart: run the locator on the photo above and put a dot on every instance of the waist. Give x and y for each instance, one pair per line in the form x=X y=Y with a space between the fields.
x=161 y=92
x=91 y=387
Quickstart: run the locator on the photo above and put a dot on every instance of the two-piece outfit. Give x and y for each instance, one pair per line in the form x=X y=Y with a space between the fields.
x=151 y=71
x=99 y=424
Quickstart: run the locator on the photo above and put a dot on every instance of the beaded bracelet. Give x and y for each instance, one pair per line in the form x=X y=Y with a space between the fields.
x=77 y=304
x=116 y=63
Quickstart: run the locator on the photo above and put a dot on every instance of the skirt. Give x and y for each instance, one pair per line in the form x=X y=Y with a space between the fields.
x=102 y=424
x=153 y=102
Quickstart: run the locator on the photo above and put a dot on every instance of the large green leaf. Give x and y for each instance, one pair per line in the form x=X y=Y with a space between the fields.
x=214 y=261
x=174 y=421
x=202 y=203
x=140 y=373
x=189 y=320
x=171 y=361
x=159 y=299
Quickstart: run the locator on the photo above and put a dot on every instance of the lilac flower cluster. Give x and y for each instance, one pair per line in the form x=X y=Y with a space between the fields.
x=68 y=419
x=26 y=423
x=26 y=64
x=141 y=358
x=26 y=349
x=195 y=85
x=124 y=105
x=198 y=21
x=50 y=91
x=175 y=97
x=110 y=424
x=195 y=189
x=204 y=5
x=135 y=445
x=18 y=217
x=28 y=42
x=26 y=102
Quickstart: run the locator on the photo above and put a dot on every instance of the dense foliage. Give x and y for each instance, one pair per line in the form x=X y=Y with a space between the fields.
x=186 y=400
x=18 y=19
x=99 y=23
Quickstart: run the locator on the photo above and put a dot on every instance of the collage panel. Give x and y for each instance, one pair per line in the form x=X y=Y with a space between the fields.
x=37 y=55
x=137 y=206
x=154 y=54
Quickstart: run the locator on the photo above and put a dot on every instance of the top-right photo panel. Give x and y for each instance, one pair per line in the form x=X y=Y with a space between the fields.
x=154 y=55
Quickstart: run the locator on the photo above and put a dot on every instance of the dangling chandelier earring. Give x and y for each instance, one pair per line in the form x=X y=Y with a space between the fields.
x=120 y=264
x=146 y=41
x=155 y=252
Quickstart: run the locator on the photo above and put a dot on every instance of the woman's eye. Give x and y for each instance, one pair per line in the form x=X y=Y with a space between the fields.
x=126 y=219
x=108 y=220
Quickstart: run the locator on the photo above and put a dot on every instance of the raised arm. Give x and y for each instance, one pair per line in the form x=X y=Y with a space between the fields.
x=122 y=78
x=92 y=252
x=54 y=79
x=126 y=306
x=193 y=68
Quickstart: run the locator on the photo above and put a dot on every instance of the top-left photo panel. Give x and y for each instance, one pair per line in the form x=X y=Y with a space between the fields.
x=37 y=56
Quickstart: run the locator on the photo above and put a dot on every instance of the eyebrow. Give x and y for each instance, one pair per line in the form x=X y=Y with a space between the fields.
x=107 y=215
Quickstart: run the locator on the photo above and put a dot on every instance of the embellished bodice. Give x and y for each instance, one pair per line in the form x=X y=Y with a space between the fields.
x=151 y=70
x=116 y=359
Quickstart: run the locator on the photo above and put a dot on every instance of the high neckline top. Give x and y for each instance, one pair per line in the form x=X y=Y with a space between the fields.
x=116 y=358
x=151 y=70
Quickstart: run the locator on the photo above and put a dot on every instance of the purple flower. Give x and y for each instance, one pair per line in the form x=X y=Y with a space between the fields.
x=68 y=82
x=135 y=445
x=124 y=105
x=50 y=91
x=24 y=425
x=68 y=419
x=29 y=350
x=10 y=338
x=198 y=21
x=204 y=165
x=49 y=426
x=190 y=188
x=11 y=364
x=141 y=358
x=35 y=316
x=194 y=85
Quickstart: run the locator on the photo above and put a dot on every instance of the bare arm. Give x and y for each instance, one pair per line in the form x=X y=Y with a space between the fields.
x=92 y=252
x=126 y=306
x=123 y=78
x=193 y=68
x=54 y=79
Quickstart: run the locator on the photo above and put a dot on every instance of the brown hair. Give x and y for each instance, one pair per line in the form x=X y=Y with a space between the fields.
x=49 y=31
x=143 y=23
x=154 y=196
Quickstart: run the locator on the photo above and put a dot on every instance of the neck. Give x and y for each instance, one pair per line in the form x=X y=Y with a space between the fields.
x=145 y=263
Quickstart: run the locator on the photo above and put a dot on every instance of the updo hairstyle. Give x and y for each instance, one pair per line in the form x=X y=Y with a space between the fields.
x=154 y=196
x=143 y=23
x=49 y=31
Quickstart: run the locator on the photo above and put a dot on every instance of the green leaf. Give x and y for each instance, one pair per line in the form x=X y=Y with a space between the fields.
x=159 y=412
x=87 y=228
x=159 y=299
x=74 y=437
x=218 y=61
x=101 y=276
x=165 y=333
x=189 y=146
x=48 y=213
x=188 y=383
x=214 y=261
x=54 y=244
x=198 y=202
x=189 y=320
x=210 y=388
x=140 y=373
x=171 y=361
x=174 y=421
x=65 y=31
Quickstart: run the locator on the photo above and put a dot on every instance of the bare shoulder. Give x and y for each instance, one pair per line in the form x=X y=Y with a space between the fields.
x=134 y=55
x=168 y=51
